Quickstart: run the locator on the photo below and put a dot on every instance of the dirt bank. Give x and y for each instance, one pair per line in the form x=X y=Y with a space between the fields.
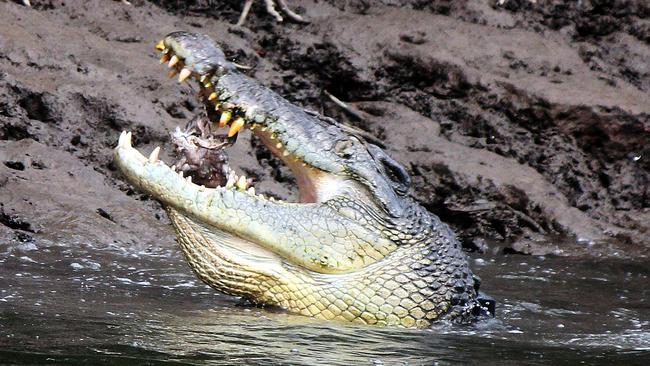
x=518 y=123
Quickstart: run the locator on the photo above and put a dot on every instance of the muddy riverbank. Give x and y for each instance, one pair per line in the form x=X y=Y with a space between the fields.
x=525 y=126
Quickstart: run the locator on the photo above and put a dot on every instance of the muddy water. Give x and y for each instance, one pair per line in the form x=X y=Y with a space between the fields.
x=114 y=306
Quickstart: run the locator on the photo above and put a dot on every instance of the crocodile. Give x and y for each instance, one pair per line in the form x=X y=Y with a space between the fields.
x=354 y=247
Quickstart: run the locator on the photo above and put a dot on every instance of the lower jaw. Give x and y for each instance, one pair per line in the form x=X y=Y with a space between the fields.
x=220 y=252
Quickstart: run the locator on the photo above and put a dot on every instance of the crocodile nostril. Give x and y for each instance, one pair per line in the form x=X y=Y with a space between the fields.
x=343 y=148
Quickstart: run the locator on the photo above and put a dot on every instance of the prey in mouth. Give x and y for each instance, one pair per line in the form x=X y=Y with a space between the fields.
x=354 y=247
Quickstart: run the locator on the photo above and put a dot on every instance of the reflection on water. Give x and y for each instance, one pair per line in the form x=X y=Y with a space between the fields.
x=84 y=305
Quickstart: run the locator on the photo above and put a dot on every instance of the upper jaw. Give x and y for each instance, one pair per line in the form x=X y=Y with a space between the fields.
x=302 y=140
x=235 y=101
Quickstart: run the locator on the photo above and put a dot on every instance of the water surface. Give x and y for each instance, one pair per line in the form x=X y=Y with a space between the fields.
x=77 y=304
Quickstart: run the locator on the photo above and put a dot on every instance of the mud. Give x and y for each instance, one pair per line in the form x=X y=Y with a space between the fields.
x=518 y=123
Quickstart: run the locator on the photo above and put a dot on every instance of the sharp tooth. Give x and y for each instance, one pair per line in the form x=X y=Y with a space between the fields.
x=212 y=96
x=164 y=58
x=160 y=46
x=253 y=126
x=225 y=118
x=201 y=188
x=173 y=61
x=273 y=136
x=217 y=107
x=208 y=85
x=189 y=178
x=285 y=153
x=121 y=141
x=251 y=190
x=204 y=78
x=231 y=181
x=278 y=145
x=155 y=154
x=241 y=183
x=262 y=197
x=172 y=73
x=185 y=73
x=263 y=129
x=128 y=139
x=235 y=127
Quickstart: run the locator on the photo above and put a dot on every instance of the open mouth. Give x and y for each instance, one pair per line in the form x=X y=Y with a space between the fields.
x=212 y=206
x=201 y=145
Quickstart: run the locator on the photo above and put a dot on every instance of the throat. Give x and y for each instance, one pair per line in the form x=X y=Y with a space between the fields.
x=308 y=178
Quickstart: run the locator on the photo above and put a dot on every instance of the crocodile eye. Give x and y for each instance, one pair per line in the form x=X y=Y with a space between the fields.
x=401 y=181
x=397 y=174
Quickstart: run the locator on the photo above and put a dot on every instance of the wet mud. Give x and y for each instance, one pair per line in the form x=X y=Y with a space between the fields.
x=525 y=126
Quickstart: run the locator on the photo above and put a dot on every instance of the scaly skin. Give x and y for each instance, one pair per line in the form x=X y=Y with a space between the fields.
x=356 y=247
